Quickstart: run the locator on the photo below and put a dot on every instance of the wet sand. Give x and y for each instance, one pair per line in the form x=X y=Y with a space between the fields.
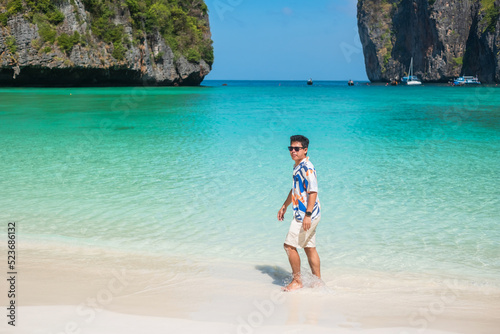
x=100 y=291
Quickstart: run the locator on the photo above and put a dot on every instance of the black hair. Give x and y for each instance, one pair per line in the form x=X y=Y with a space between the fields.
x=301 y=139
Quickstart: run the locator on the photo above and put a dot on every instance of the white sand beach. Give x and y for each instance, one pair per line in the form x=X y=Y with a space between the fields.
x=83 y=290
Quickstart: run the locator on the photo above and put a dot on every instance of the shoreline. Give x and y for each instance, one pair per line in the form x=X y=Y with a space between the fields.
x=223 y=295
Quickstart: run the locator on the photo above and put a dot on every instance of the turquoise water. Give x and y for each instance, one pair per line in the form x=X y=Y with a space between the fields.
x=408 y=176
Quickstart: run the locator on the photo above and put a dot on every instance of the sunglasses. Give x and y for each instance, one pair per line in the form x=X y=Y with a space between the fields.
x=296 y=148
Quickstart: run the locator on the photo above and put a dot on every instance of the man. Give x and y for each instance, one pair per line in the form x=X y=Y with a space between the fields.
x=306 y=212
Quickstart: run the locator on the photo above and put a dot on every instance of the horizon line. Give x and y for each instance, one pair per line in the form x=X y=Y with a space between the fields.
x=365 y=80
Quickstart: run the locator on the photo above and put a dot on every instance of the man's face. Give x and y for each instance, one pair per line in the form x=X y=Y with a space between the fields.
x=298 y=156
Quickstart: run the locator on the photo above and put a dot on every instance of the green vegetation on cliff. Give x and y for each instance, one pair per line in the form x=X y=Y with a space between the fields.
x=44 y=7
x=42 y=12
x=458 y=62
x=66 y=42
x=491 y=13
x=182 y=23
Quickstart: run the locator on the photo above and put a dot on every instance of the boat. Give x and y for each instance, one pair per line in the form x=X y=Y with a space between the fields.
x=350 y=83
x=466 y=80
x=411 y=80
x=310 y=82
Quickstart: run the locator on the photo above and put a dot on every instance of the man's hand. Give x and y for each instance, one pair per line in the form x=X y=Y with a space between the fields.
x=306 y=223
x=281 y=213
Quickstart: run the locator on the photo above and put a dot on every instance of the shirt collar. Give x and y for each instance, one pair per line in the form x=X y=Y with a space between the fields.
x=301 y=162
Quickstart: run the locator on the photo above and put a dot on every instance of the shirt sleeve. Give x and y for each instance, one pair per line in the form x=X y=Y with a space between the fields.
x=312 y=181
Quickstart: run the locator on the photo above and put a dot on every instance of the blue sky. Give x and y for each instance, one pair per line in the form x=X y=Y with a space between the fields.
x=285 y=40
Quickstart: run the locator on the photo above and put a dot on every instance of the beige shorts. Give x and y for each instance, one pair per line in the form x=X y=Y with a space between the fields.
x=299 y=238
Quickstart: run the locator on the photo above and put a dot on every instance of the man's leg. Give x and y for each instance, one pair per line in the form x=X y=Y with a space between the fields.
x=294 y=258
x=313 y=258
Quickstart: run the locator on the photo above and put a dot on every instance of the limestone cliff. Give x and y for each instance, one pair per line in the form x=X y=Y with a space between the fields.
x=446 y=38
x=100 y=42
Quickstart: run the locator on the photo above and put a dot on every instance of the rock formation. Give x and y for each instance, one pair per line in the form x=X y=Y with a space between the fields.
x=101 y=43
x=446 y=38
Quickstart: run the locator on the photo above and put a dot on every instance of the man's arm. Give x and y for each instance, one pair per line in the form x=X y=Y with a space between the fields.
x=311 y=200
x=281 y=212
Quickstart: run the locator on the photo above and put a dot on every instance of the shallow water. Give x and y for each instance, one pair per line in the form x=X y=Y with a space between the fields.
x=408 y=176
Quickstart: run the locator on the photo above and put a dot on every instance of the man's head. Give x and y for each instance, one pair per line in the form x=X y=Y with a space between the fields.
x=298 y=147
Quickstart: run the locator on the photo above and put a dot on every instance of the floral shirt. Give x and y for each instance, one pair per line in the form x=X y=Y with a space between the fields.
x=304 y=182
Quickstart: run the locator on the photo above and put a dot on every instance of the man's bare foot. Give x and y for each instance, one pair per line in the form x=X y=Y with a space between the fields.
x=294 y=285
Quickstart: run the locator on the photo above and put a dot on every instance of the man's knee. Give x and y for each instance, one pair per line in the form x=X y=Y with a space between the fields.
x=310 y=250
